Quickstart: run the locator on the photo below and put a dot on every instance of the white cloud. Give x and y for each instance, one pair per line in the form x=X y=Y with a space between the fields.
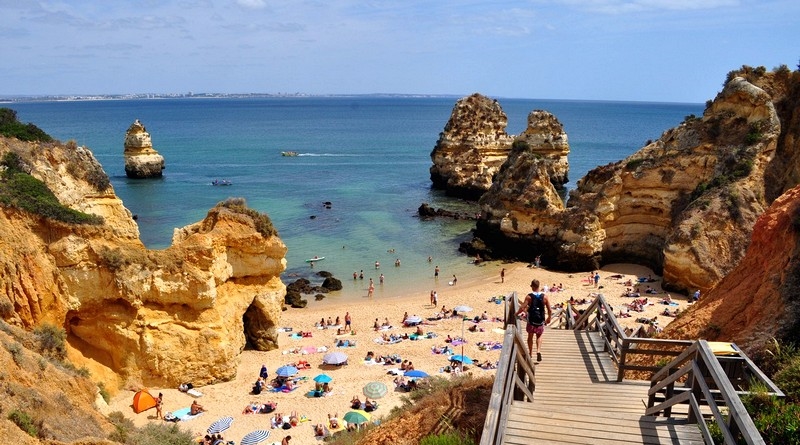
x=252 y=4
x=634 y=6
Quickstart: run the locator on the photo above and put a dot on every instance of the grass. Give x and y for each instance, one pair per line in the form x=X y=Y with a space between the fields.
x=24 y=421
x=262 y=222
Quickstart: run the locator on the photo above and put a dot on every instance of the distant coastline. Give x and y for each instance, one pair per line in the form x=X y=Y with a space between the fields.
x=154 y=96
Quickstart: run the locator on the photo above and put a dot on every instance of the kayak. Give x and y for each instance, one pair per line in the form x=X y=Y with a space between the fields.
x=317 y=258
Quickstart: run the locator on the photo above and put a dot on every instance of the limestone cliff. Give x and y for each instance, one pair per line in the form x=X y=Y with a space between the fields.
x=684 y=204
x=760 y=298
x=471 y=148
x=545 y=137
x=141 y=159
x=149 y=317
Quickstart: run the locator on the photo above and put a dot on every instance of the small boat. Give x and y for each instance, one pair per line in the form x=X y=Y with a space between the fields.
x=316 y=258
x=221 y=182
x=289 y=153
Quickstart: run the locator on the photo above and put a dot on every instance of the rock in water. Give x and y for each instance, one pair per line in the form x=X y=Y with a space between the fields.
x=141 y=160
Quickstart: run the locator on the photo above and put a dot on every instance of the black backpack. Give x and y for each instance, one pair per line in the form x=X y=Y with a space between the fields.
x=536 y=309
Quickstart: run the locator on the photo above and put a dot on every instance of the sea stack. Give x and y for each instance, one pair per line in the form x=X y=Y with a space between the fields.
x=141 y=160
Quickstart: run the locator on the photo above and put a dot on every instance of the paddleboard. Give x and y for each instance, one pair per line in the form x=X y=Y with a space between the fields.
x=311 y=260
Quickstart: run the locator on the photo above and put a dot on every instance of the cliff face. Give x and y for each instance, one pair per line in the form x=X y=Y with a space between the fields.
x=149 y=317
x=545 y=136
x=685 y=204
x=141 y=159
x=760 y=298
x=471 y=148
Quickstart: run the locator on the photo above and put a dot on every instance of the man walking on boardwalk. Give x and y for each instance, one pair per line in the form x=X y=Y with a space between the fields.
x=534 y=305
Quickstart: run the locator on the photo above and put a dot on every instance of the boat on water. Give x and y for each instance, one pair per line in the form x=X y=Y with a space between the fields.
x=289 y=153
x=316 y=258
x=221 y=182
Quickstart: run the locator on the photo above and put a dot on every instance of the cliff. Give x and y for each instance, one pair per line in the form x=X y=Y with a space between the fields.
x=684 y=205
x=135 y=316
x=760 y=298
x=474 y=145
x=471 y=148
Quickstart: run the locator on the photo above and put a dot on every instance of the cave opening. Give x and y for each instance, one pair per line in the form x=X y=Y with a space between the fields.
x=259 y=329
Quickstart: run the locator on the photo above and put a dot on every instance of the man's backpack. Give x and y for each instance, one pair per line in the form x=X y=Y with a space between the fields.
x=536 y=309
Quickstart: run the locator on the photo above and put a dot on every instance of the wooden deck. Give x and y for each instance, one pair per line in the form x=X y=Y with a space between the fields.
x=578 y=401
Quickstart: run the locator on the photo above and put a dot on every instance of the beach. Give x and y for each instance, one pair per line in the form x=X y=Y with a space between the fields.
x=478 y=291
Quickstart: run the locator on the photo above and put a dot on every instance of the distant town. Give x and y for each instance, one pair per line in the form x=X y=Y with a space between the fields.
x=188 y=95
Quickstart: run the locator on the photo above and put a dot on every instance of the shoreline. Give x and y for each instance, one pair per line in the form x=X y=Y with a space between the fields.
x=230 y=398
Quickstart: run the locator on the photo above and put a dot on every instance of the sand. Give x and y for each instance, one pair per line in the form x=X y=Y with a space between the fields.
x=230 y=398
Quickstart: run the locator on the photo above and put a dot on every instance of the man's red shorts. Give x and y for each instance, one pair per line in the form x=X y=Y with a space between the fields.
x=533 y=329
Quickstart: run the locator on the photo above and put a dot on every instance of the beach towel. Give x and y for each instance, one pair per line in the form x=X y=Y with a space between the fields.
x=194 y=393
x=295 y=336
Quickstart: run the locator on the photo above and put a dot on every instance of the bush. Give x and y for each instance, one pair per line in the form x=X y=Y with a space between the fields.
x=151 y=434
x=13 y=128
x=788 y=379
x=20 y=190
x=449 y=438
x=262 y=222
x=52 y=341
x=16 y=351
x=634 y=164
x=776 y=420
x=24 y=421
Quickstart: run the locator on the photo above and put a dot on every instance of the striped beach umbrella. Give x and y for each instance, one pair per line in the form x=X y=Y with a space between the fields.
x=375 y=390
x=220 y=425
x=255 y=437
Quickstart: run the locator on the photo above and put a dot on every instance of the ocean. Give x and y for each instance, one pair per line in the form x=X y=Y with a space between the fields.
x=368 y=156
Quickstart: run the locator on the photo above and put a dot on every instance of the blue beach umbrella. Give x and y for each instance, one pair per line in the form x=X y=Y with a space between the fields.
x=255 y=437
x=286 y=371
x=461 y=358
x=323 y=378
x=415 y=373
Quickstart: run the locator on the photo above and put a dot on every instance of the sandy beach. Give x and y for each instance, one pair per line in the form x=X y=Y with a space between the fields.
x=230 y=398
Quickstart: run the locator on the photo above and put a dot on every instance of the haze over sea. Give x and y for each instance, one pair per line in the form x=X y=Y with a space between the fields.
x=368 y=155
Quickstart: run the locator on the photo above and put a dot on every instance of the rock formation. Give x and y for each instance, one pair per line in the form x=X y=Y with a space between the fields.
x=141 y=160
x=760 y=298
x=684 y=204
x=471 y=148
x=545 y=137
x=150 y=317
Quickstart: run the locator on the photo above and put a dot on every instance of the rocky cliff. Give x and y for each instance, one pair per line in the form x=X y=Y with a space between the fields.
x=684 y=205
x=471 y=148
x=760 y=298
x=135 y=316
x=474 y=144
x=141 y=159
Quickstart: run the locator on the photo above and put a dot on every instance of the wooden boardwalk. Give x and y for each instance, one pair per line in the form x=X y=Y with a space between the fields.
x=578 y=401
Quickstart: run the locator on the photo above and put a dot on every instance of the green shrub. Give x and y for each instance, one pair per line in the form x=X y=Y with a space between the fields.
x=15 y=350
x=262 y=222
x=448 y=438
x=161 y=434
x=52 y=341
x=634 y=164
x=776 y=420
x=101 y=388
x=13 y=128
x=788 y=379
x=24 y=421
x=22 y=191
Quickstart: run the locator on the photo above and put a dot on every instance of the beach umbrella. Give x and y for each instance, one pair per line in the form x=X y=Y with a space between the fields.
x=357 y=417
x=334 y=358
x=220 y=425
x=414 y=319
x=254 y=437
x=415 y=373
x=323 y=378
x=286 y=371
x=461 y=358
x=462 y=308
x=375 y=390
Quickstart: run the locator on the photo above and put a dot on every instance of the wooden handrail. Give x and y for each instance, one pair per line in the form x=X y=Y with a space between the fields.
x=514 y=380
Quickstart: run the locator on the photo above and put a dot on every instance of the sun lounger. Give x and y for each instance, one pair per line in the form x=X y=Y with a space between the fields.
x=194 y=393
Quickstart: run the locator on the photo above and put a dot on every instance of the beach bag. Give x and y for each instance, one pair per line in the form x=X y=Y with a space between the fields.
x=169 y=417
x=536 y=309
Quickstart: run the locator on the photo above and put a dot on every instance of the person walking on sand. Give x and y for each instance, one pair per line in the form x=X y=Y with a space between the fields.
x=503 y=275
x=455 y=280
x=434 y=304
x=596 y=278
x=534 y=305
x=348 y=322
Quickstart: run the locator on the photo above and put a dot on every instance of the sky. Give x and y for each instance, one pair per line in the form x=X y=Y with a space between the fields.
x=626 y=50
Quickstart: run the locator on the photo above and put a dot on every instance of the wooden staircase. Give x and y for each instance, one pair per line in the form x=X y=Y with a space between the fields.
x=577 y=400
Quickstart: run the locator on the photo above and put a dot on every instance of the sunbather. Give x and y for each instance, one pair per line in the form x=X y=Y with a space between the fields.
x=196 y=408
x=355 y=403
x=369 y=406
x=333 y=421
x=319 y=430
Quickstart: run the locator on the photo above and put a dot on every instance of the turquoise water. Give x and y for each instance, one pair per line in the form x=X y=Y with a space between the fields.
x=369 y=156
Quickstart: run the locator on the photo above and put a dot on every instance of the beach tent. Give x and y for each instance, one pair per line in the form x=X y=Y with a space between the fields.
x=142 y=401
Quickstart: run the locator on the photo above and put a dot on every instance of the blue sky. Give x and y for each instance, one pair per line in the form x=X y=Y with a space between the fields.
x=642 y=50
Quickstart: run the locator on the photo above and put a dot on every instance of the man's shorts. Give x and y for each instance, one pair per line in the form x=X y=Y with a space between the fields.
x=533 y=329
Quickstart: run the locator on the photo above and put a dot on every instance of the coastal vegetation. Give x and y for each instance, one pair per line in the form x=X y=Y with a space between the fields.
x=11 y=127
x=20 y=190
x=262 y=222
x=151 y=434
